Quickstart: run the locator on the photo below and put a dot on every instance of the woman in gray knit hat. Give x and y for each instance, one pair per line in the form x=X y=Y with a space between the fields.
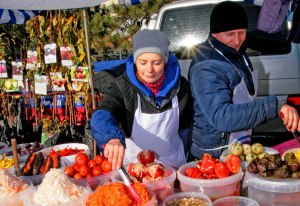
x=146 y=108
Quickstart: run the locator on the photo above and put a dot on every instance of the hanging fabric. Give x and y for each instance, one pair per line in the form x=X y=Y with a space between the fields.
x=16 y=16
x=272 y=15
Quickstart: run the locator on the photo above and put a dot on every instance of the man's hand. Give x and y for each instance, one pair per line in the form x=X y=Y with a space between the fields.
x=114 y=150
x=290 y=118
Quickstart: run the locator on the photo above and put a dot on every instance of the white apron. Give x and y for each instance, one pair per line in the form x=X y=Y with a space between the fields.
x=241 y=96
x=157 y=132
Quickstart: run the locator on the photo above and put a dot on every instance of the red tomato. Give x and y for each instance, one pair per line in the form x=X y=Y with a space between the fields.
x=89 y=176
x=76 y=167
x=146 y=157
x=70 y=171
x=92 y=163
x=106 y=166
x=99 y=159
x=233 y=163
x=84 y=170
x=81 y=159
x=221 y=170
x=97 y=171
x=77 y=176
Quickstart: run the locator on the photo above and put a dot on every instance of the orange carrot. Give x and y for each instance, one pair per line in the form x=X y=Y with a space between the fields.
x=117 y=194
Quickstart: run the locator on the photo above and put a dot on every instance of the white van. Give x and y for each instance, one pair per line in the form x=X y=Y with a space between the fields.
x=186 y=23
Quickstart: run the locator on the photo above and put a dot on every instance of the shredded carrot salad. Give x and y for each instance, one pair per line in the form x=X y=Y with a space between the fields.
x=117 y=194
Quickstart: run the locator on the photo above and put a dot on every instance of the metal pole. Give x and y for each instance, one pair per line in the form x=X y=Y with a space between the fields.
x=90 y=71
x=89 y=58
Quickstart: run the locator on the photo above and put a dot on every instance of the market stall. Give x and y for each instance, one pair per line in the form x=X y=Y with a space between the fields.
x=66 y=174
x=63 y=105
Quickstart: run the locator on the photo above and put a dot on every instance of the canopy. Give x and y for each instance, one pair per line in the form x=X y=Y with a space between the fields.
x=16 y=16
x=57 y=4
x=48 y=4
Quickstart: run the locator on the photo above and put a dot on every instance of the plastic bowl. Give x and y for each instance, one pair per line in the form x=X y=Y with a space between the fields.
x=235 y=201
x=161 y=188
x=270 y=191
x=94 y=182
x=206 y=202
x=214 y=188
x=68 y=160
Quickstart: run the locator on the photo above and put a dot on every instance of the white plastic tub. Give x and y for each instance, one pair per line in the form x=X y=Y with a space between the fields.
x=161 y=188
x=214 y=188
x=204 y=197
x=235 y=201
x=271 y=191
x=68 y=160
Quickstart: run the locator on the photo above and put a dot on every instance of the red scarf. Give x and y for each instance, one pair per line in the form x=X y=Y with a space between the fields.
x=155 y=87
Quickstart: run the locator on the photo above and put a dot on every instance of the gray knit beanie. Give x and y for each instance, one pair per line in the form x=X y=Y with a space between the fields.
x=150 y=41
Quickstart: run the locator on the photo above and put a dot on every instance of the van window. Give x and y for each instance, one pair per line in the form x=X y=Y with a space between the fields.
x=189 y=26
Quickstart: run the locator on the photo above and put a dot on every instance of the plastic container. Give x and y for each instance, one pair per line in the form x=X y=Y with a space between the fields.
x=244 y=164
x=27 y=200
x=2 y=147
x=214 y=188
x=22 y=157
x=207 y=201
x=16 y=200
x=35 y=179
x=235 y=201
x=94 y=182
x=161 y=188
x=271 y=191
x=152 y=202
x=68 y=160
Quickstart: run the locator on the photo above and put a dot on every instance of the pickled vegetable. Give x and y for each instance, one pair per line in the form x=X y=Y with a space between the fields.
x=291 y=161
x=257 y=148
x=236 y=149
x=250 y=157
x=297 y=154
x=264 y=154
x=246 y=149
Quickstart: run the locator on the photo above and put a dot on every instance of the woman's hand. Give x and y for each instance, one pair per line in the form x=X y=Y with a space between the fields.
x=114 y=150
x=290 y=118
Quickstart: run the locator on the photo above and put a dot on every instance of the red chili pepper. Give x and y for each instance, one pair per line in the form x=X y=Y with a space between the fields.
x=222 y=170
x=193 y=172
x=207 y=164
x=63 y=152
x=53 y=153
x=70 y=151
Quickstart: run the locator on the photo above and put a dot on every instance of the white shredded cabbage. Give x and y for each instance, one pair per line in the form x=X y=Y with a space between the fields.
x=57 y=188
x=10 y=184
